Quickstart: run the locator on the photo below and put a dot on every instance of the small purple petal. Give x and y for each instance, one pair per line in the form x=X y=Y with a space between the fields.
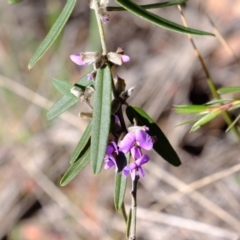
x=77 y=58
x=136 y=152
x=141 y=171
x=110 y=162
x=125 y=58
x=126 y=171
x=144 y=140
x=110 y=149
x=90 y=77
x=116 y=119
x=105 y=19
x=129 y=168
x=115 y=147
x=142 y=160
x=127 y=143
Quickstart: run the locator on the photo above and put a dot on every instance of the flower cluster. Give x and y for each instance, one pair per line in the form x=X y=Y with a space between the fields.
x=134 y=141
x=98 y=60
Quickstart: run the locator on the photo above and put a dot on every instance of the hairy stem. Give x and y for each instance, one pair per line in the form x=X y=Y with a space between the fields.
x=132 y=233
x=95 y=5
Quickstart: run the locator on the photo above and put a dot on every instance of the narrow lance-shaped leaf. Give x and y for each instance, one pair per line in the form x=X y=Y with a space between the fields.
x=236 y=105
x=76 y=167
x=63 y=87
x=53 y=33
x=218 y=101
x=120 y=186
x=162 y=145
x=205 y=119
x=82 y=143
x=233 y=123
x=189 y=109
x=13 y=1
x=151 y=6
x=61 y=106
x=189 y=121
x=155 y=19
x=129 y=220
x=101 y=117
x=228 y=90
x=68 y=100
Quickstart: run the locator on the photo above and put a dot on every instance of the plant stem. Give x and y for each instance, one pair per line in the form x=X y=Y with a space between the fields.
x=100 y=27
x=210 y=82
x=132 y=234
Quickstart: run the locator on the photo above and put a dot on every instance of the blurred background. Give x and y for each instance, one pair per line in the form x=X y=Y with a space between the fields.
x=200 y=200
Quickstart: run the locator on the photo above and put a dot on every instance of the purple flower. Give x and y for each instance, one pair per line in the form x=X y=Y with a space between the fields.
x=105 y=19
x=77 y=58
x=118 y=58
x=135 y=166
x=134 y=141
x=109 y=158
x=125 y=58
x=85 y=59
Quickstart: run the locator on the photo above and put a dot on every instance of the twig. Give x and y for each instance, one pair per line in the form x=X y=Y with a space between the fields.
x=132 y=234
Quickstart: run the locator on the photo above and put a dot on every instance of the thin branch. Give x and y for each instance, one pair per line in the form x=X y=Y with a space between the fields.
x=132 y=234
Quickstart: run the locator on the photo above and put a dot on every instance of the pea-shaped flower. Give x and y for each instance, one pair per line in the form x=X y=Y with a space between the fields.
x=135 y=167
x=109 y=159
x=98 y=60
x=134 y=141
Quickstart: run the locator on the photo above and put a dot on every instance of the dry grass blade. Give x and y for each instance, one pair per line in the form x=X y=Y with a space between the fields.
x=56 y=195
x=38 y=100
x=197 y=197
x=191 y=225
x=223 y=41
x=198 y=184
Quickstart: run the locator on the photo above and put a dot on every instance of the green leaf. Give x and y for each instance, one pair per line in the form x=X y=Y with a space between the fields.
x=233 y=123
x=129 y=221
x=228 y=90
x=189 y=121
x=189 y=109
x=76 y=167
x=63 y=87
x=218 y=101
x=53 y=33
x=13 y=1
x=85 y=139
x=120 y=187
x=151 y=6
x=163 y=4
x=235 y=106
x=68 y=100
x=101 y=117
x=205 y=119
x=62 y=105
x=162 y=145
x=155 y=19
